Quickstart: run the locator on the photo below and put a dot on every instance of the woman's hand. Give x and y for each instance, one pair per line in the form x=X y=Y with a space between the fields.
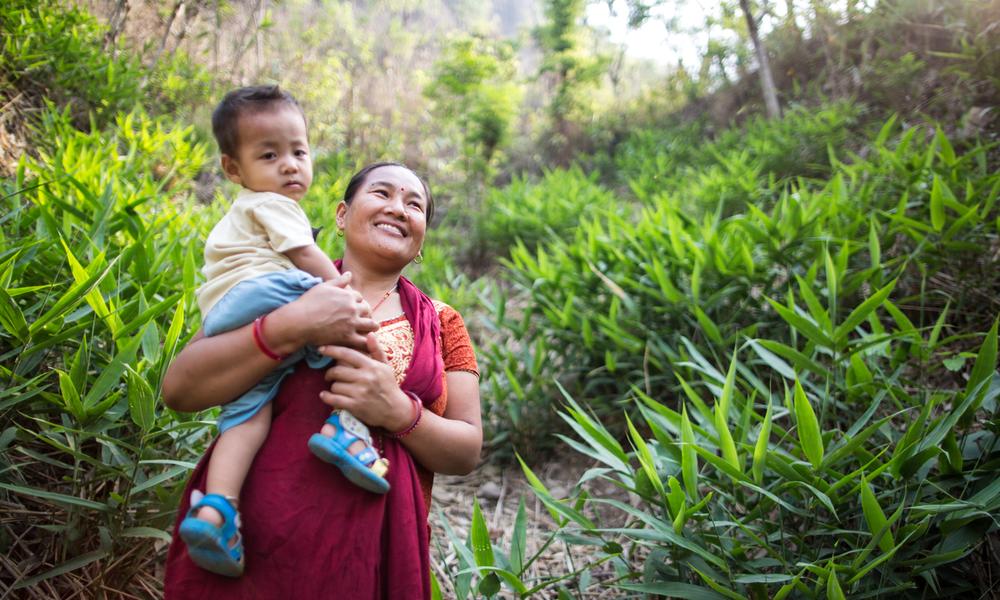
x=329 y=313
x=365 y=385
x=214 y=370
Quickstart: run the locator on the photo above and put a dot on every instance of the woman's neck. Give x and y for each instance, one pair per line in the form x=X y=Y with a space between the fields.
x=370 y=283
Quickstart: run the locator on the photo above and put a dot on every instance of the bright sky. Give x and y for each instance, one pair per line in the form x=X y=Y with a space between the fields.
x=652 y=40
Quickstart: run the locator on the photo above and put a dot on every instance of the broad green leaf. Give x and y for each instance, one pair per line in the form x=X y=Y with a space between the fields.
x=55 y=497
x=519 y=538
x=141 y=400
x=833 y=591
x=875 y=518
x=63 y=568
x=646 y=461
x=11 y=317
x=760 y=448
x=482 y=547
x=937 y=204
x=810 y=437
x=689 y=458
x=984 y=369
x=726 y=444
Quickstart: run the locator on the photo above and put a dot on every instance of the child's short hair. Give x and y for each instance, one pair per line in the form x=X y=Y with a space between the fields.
x=246 y=99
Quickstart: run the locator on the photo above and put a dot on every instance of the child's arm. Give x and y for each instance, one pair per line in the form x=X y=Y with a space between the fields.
x=314 y=261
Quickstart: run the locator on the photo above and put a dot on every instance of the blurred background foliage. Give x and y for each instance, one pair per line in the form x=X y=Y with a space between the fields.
x=773 y=339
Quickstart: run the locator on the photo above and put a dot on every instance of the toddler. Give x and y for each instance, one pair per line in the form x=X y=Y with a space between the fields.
x=260 y=256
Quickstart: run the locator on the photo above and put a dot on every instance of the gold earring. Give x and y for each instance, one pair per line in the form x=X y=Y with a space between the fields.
x=340 y=232
x=420 y=257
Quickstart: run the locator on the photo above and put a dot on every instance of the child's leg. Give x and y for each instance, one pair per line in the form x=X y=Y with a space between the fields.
x=232 y=457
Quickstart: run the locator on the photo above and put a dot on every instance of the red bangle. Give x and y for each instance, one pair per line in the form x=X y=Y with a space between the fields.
x=258 y=338
x=418 y=409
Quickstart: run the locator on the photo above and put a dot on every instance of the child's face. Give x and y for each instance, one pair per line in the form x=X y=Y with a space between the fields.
x=273 y=153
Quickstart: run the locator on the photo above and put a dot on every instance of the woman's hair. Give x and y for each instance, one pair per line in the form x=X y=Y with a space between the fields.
x=360 y=176
x=244 y=100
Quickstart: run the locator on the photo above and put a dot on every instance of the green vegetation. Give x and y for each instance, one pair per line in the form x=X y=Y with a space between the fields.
x=773 y=341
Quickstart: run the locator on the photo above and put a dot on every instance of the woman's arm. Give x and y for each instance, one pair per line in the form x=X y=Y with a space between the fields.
x=214 y=370
x=366 y=386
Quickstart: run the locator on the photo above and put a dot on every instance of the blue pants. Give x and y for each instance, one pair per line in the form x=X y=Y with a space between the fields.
x=242 y=304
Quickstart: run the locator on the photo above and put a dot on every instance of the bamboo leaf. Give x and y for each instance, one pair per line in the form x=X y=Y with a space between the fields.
x=877 y=523
x=859 y=314
x=760 y=448
x=689 y=458
x=937 y=204
x=810 y=438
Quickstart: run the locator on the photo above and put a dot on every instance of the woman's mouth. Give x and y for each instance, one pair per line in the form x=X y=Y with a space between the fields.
x=392 y=229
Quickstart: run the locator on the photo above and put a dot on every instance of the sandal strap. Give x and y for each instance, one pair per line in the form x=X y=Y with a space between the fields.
x=345 y=436
x=230 y=518
x=367 y=456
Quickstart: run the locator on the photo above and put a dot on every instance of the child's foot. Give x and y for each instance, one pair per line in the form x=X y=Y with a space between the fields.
x=211 y=532
x=345 y=442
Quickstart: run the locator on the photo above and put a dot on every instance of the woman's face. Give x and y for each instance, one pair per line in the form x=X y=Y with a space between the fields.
x=387 y=218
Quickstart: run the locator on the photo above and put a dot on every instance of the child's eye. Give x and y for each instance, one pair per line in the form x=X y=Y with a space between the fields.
x=268 y=155
x=301 y=153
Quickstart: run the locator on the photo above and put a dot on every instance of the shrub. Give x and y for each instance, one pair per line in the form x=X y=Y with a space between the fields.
x=611 y=307
x=98 y=270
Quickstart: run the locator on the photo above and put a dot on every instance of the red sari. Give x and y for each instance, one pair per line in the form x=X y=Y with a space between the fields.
x=308 y=533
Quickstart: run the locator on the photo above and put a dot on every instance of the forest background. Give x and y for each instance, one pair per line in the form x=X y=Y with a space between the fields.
x=742 y=297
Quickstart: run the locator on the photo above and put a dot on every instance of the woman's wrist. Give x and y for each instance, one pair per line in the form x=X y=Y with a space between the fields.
x=281 y=334
x=406 y=420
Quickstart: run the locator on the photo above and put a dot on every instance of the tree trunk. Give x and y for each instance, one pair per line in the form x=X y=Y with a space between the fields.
x=764 y=66
x=116 y=24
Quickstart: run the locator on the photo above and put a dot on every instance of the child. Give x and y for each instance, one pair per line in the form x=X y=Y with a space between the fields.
x=260 y=256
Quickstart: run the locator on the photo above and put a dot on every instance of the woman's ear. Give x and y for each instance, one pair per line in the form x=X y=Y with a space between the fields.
x=341 y=215
x=232 y=169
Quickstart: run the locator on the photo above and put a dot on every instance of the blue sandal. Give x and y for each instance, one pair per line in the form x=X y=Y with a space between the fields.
x=210 y=546
x=364 y=469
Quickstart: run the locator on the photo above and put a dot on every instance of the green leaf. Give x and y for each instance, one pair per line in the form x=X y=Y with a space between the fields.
x=11 y=317
x=519 y=539
x=760 y=448
x=482 y=547
x=937 y=204
x=689 y=458
x=859 y=314
x=833 y=591
x=55 y=497
x=810 y=438
x=685 y=591
x=984 y=369
x=65 y=567
x=71 y=397
x=875 y=518
x=141 y=401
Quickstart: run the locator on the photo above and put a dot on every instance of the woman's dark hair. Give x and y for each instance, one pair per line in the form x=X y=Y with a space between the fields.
x=360 y=176
x=255 y=98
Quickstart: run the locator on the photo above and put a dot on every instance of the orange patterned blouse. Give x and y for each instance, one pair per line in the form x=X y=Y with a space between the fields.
x=396 y=338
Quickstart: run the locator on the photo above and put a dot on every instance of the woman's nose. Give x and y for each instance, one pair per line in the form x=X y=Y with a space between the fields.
x=394 y=204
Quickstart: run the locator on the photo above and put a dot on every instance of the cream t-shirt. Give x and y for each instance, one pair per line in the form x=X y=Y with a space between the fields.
x=249 y=241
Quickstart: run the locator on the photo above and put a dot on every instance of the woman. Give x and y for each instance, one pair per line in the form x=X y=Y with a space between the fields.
x=309 y=532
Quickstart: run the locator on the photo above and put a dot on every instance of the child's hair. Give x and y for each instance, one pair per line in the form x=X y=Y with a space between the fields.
x=254 y=98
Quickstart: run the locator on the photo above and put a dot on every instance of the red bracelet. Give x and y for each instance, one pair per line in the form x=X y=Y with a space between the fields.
x=258 y=338
x=418 y=409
